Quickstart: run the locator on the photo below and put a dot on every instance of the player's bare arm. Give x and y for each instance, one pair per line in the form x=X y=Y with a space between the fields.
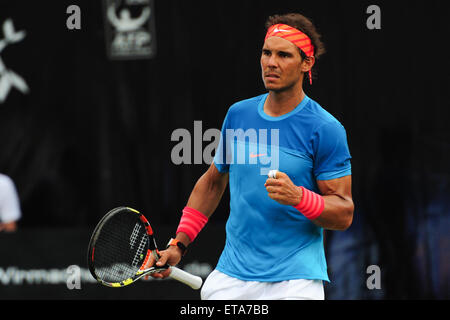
x=338 y=204
x=338 y=211
x=208 y=191
x=205 y=197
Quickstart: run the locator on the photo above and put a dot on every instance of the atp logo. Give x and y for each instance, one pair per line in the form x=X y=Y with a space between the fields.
x=125 y=23
x=8 y=78
x=130 y=28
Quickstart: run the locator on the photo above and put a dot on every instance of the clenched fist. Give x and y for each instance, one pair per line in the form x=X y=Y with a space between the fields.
x=281 y=189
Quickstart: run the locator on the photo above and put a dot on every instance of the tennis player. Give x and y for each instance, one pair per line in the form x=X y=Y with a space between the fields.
x=274 y=234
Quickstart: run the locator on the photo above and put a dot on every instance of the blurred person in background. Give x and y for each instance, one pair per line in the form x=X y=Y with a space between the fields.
x=10 y=212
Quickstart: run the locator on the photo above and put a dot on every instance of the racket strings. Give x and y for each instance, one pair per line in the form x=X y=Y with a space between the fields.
x=118 y=252
x=137 y=260
x=134 y=234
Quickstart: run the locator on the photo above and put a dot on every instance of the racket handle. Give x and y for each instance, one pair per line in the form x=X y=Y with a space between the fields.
x=192 y=281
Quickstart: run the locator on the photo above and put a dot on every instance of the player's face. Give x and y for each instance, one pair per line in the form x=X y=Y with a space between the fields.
x=281 y=64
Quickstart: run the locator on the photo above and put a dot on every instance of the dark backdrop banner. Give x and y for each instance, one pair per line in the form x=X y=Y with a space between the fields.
x=82 y=132
x=51 y=263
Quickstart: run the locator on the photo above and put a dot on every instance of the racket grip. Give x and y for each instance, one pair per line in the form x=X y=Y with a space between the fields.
x=192 y=281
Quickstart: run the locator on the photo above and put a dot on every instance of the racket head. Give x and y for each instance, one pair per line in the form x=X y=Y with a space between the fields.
x=120 y=246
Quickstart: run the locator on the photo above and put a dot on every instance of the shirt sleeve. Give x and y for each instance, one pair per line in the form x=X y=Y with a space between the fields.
x=331 y=152
x=9 y=202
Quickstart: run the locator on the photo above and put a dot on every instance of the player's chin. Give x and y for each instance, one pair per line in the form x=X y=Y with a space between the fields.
x=271 y=85
x=274 y=87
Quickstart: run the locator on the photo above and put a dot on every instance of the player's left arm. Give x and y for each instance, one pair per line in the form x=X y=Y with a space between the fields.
x=338 y=208
x=331 y=208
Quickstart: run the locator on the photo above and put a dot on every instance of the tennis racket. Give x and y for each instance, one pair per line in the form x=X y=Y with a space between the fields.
x=120 y=247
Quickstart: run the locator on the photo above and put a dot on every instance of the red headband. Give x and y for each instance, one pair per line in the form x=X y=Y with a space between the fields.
x=298 y=38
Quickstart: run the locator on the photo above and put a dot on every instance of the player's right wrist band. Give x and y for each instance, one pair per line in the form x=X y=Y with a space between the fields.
x=192 y=222
x=311 y=205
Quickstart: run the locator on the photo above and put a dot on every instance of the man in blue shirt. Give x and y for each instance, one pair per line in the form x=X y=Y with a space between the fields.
x=274 y=233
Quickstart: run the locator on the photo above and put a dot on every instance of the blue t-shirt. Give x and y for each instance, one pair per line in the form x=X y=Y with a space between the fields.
x=265 y=240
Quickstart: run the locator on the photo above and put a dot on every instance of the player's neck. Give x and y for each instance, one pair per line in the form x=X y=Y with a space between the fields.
x=280 y=103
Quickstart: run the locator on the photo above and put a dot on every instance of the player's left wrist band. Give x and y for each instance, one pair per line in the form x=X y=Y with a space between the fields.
x=311 y=204
x=177 y=243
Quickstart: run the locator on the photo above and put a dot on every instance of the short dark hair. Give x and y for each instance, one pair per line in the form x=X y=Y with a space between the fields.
x=305 y=25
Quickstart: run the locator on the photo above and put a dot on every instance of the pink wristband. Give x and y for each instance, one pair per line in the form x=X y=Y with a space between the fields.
x=311 y=205
x=192 y=222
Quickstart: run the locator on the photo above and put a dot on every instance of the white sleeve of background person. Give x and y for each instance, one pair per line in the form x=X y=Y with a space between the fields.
x=9 y=201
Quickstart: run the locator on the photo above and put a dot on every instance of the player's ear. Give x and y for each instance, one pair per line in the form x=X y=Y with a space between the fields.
x=307 y=64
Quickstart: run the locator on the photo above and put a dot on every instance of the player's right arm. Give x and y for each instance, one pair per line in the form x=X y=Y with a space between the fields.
x=208 y=191
x=205 y=197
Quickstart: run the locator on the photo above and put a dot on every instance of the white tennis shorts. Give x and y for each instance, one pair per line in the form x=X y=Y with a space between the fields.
x=219 y=286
